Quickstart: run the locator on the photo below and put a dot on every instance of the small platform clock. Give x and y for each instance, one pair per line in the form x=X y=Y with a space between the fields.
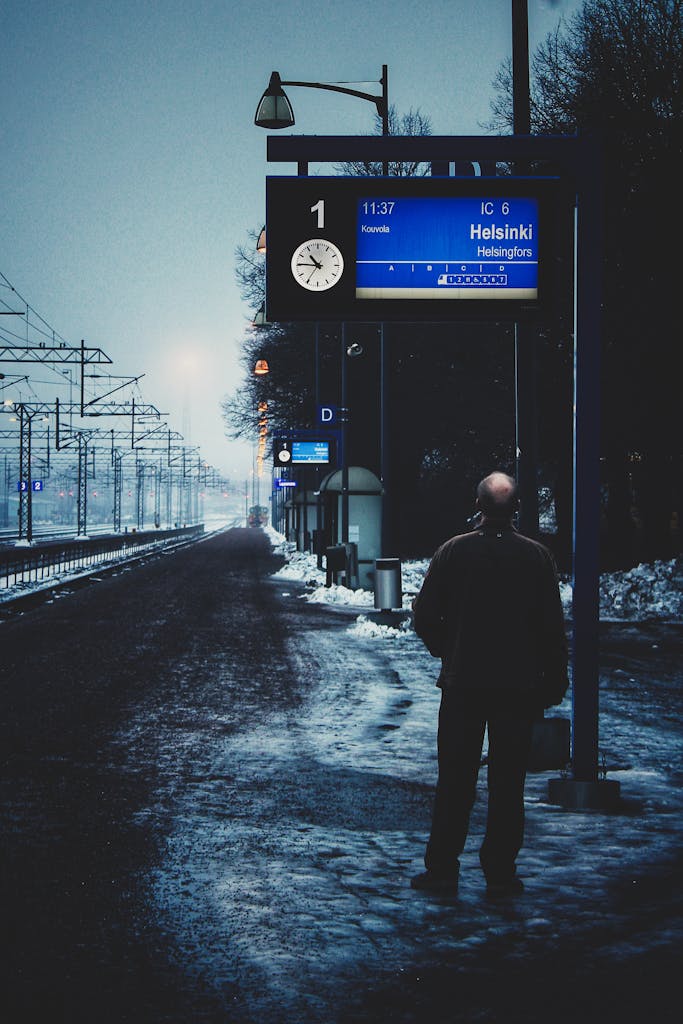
x=317 y=264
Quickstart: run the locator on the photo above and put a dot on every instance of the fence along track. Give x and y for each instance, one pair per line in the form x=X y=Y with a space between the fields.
x=30 y=566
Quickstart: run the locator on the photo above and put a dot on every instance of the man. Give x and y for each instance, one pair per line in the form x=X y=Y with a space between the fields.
x=490 y=608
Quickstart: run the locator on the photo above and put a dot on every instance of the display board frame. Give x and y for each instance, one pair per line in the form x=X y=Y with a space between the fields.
x=317 y=222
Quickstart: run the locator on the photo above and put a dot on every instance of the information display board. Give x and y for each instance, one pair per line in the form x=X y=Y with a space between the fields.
x=293 y=452
x=310 y=452
x=409 y=248
x=447 y=248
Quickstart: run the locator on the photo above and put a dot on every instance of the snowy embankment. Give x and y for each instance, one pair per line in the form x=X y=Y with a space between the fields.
x=647 y=592
x=18 y=581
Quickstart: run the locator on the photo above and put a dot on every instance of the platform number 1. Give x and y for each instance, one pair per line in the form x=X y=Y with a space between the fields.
x=319 y=208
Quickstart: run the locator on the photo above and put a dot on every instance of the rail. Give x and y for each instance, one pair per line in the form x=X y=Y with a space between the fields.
x=35 y=565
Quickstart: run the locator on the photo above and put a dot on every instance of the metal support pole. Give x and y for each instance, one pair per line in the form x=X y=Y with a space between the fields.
x=82 y=376
x=344 y=432
x=385 y=111
x=587 y=359
x=526 y=429
x=194 y=491
x=118 y=489
x=304 y=508
x=169 y=496
x=317 y=365
x=140 y=480
x=25 y=510
x=585 y=789
x=157 y=496
x=526 y=411
x=82 y=526
x=384 y=436
x=182 y=499
x=4 y=504
x=520 y=68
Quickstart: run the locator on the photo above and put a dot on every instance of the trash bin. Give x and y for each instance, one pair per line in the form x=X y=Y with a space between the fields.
x=388 y=591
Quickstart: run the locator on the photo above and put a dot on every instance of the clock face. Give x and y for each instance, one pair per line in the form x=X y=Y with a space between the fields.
x=317 y=265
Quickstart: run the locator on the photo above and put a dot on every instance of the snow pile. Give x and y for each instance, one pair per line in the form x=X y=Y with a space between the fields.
x=649 y=591
x=280 y=546
x=368 y=630
x=566 y=592
x=336 y=594
x=646 y=592
x=412 y=575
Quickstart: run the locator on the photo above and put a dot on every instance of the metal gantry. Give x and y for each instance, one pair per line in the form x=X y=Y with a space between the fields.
x=166 y=466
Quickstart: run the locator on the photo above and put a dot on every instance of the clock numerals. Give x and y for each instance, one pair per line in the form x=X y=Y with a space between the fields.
x=317 y=264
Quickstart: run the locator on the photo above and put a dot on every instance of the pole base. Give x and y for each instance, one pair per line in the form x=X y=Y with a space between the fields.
x=599 y=795
x=388 y=616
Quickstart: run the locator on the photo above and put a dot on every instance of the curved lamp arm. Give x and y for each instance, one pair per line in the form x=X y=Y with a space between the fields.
x=275 y=110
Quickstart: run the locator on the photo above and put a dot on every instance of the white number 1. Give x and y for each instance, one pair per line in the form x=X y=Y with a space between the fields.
x=320 y=207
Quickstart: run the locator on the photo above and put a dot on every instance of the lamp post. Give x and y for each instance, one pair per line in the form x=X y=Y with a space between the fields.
x=526 y=415
x=261 y=369
x=275 y=111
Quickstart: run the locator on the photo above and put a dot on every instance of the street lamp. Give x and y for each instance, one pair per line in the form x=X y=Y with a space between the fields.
x=260 y=319
x=275 y=111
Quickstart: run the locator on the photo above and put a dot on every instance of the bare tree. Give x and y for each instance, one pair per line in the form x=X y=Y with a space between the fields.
x=250 y=271
x=614 y=70
x=412 y=123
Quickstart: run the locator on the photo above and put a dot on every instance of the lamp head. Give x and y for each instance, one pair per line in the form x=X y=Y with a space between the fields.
x=260 y=317
x=274 y=109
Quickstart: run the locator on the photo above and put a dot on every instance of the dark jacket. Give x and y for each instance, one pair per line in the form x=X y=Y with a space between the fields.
x=490 y=608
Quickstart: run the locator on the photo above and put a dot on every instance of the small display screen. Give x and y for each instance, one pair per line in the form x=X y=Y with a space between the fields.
x=446 y=247
x=310 y=452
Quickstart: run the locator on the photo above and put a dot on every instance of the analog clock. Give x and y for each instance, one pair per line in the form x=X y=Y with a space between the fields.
x=317 y=264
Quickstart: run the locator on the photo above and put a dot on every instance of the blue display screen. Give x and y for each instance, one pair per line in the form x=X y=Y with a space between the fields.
x=310 y=451
x=447 y=248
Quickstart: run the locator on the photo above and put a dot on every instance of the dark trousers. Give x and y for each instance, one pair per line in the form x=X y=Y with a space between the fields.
x=463 y=717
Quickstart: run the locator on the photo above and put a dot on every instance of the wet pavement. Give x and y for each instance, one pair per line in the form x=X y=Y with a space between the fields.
x=214 y=795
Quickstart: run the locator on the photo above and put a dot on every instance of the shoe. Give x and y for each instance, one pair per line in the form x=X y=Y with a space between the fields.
x=503 y=890
x=428 y=881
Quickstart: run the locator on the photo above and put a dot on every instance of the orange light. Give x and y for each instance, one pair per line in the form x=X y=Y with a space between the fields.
x=261 y=367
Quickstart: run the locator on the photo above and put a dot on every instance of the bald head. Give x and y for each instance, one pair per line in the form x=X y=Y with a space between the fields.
x=497 y=496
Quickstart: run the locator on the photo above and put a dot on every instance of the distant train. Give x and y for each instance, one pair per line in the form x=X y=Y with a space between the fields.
x=257 y=515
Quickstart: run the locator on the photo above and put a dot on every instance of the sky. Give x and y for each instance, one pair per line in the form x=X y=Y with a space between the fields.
x=130 y=166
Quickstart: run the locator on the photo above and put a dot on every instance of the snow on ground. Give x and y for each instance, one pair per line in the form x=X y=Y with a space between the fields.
x=301 y=905
x=648 y=592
